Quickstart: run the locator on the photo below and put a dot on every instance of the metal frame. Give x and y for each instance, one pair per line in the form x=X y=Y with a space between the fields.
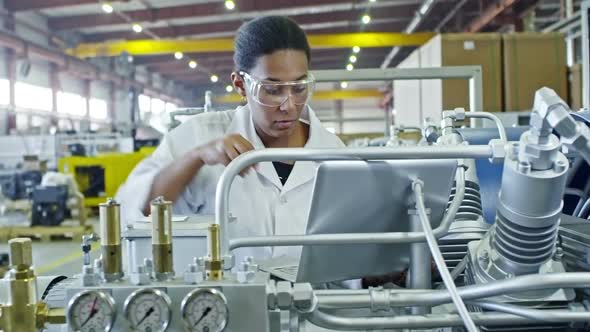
x=302 y=154
x=586 y=53
x=471 y=73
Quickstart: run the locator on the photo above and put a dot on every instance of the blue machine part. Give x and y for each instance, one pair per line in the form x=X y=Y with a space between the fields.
x=490 y=175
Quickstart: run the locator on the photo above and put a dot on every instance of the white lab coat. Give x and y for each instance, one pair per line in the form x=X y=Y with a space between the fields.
x=259 y=202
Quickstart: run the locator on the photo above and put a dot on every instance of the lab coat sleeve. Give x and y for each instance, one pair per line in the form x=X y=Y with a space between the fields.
x=135 y=192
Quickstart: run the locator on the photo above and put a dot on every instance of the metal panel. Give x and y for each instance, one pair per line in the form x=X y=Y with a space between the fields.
x=586 y=52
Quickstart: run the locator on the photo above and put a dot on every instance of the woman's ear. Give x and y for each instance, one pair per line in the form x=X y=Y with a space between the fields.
x=238 y=83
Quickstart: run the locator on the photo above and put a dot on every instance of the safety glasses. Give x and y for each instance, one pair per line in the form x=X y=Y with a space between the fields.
x=274 y=94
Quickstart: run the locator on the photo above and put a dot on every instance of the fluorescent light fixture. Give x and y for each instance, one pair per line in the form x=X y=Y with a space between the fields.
x=137 y=28
x=229 y=4
x=107 y=8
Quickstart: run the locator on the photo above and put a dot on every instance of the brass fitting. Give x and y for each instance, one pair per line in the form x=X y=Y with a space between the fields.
x=161 y=216
x=214 y=263
x=23 y=313
x=19 y=314
x=110 y=240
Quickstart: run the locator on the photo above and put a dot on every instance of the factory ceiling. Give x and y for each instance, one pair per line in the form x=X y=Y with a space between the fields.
x=93 y=21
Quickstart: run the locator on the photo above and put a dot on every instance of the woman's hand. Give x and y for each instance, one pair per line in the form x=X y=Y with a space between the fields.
x=223 y=150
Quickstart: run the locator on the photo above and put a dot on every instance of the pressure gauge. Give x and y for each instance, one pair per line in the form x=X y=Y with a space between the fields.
x=91 y=311
x=205 y=310
x=148 y=309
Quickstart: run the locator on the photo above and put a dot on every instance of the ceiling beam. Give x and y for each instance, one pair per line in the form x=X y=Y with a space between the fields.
x=386 y=20
x=488 y=15
x=22 y=5
x=317 y=95
x=316 y=54
x=170 y=46
x=208 y=13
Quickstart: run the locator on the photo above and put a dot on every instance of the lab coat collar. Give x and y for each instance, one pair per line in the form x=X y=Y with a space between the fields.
x=302 y=171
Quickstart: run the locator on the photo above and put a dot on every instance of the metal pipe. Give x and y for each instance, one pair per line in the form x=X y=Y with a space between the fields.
x=533 y=314
x=329 y=321
x=558 y=25
x=450 y=15
x=473 y=292
x=420 y=267
x=347 y=238
x=490 y=116
x=438 y=258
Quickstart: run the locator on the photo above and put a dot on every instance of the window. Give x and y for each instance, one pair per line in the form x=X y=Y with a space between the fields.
x=145 y=104
x=98 y=109
x=22 y=121
x=64 y=124
x=71 y=103
x=170 y=107
x=38 y=121
x=158 y=106
x=32 y=97
x=4 y=91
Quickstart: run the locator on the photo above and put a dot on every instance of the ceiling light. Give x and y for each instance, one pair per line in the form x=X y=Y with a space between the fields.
x=129 y=58
x=214 y=78
x=229 y=88
x=229 y=4
x=178 y=55
x=366 y=19
x=356 y=49
x=192 y=64
x=107 y=8
x=344 y=85
x=372 y=0
x=349 y=67
x=352 y=58
x=137 y=28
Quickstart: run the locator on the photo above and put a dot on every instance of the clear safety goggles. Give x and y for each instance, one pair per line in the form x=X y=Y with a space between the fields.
x=274 y=94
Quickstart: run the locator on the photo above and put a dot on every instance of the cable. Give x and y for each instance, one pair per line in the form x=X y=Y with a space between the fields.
x=439 y=260
x=584 y=210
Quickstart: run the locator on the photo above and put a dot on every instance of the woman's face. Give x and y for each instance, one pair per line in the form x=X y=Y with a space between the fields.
x=280 y=66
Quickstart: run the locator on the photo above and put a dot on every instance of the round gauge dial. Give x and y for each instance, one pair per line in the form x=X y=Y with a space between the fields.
x=148 y=310
x=91 y=311
x=205 y=310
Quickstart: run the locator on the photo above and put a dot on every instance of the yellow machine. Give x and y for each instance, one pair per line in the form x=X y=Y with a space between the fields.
x=100 y=176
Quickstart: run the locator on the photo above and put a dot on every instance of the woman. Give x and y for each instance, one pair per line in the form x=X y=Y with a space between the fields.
x=271 y=58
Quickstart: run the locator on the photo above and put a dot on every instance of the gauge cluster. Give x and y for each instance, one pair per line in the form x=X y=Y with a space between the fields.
x=152 y=309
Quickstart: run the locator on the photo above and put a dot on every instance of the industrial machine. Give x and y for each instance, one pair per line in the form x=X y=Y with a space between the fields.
x=99 y=177
x=523 y=273
x=19 y=184
x=49 y=205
